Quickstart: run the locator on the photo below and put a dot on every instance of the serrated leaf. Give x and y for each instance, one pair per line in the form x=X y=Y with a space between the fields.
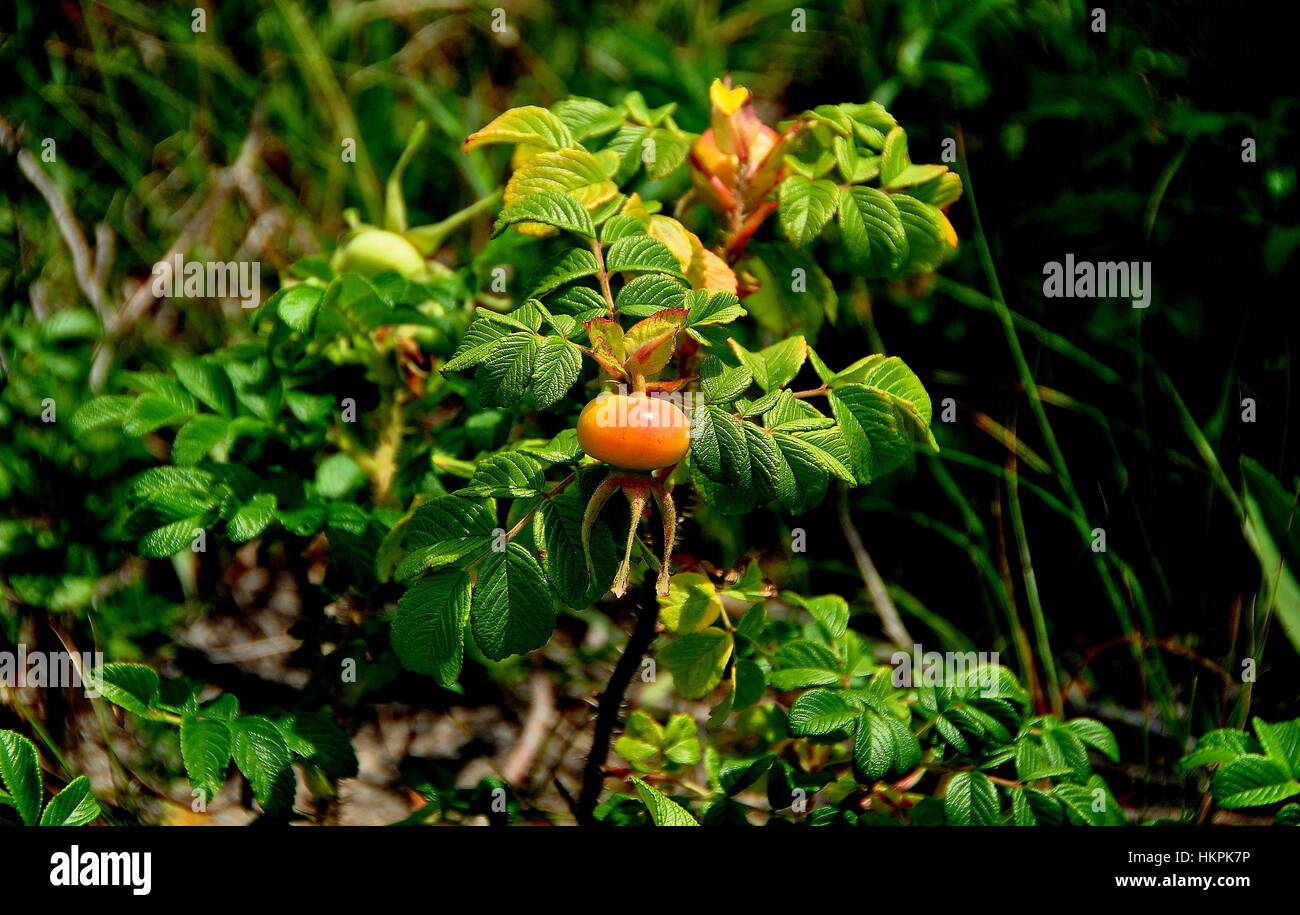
x=893 y=157
x=872 y=230
x=428 y=632
x=297 y=306
x=252 y=517
x=1096 y=735
x=722 y=383
x=663 y=810
x=565 y=267
x=505 y=374
x=641 y=254
x=260 y=753
x=528 y=124
x=152 y=411
x=564 y=559
x=75 y=805
x=805 y=207
x=971 y=800
x=100 y=411
x=512 y=611
x=198 y=437
x=552 y=208
x=132 y=686
x=819 y=712
x=881 y=422
x=555 y=371
x=926 y=229
x=648 y=293
x=20 y=770
x=316 y=738
x=507 y=474
x=697 y=661
x=574 y=171
x=205 y=751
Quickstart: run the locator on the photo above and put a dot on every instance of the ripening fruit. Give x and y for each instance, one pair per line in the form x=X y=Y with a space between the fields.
x=370 y=251
x=635 y=432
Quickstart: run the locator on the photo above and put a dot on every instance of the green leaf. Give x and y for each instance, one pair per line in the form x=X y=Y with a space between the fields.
x=565 y=267
x=512 y=611
x=1281 y=742
x=882 y=417
x=830 y=610
x=75 y=805
x=806 y=207
x=771 y=476
x=874 y=754
x=555 y=371
x=648 y=293
x=912 y=175
x=819 y=712
x=777 y=365
x=722 y=383
x=894 y=158
x=252 y=517
x=641 y=254
x=150 y=412
x=170 y=539
x=100 y=411
x=132 y=686
x=1215 y=747
x=338 y=476
x=205 y=750
x=261 y=754
x=872 y=229
x=479 y=342
x=704 y=307
x=316 y=738
x=207 y=380
x=507 y=371
x=1096 y=735
x=669 y=151
x=971 y=800
x=587 y=117
x=564 y=559
x=428 y=632
x=196 y=439
x=20 y=770
x=925 y=227
x=1252 y=780
x=297 y=306
x=447 y=518
x=444 y=552
x=663 y=810
x=697 y=661
x=507 y=474
x=552 y=208
x=528 y=124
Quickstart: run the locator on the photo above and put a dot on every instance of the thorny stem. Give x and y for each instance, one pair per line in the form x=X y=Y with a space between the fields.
x=593 y=774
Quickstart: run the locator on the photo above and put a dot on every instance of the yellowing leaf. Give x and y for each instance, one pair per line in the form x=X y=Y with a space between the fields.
x=650 y=342
x=607 y=346
x=528 y=124
x=703 y=268
x=573 y=171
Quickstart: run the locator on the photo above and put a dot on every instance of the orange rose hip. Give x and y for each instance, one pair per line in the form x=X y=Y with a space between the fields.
x=634 y=432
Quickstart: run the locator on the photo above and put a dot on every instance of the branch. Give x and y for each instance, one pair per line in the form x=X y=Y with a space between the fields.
x=593 y=774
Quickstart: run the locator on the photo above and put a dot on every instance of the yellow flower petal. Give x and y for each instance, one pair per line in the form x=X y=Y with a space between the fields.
x=728 y=101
